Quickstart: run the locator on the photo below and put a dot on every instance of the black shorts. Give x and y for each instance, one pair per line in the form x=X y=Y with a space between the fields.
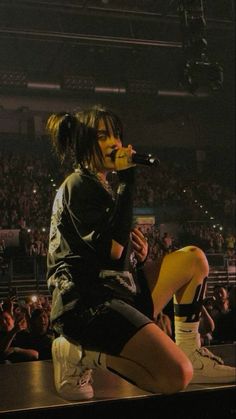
x=105 y=328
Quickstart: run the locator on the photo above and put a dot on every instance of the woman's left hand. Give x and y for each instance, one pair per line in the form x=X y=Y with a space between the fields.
x=140 y=245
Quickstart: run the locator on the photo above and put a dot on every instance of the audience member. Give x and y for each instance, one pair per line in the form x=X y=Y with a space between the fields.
x=225 y=330
x=206 y=325
x=9 y=331
x=164 y=322
x=221 y=301
x=39 y=336
x=166 y=242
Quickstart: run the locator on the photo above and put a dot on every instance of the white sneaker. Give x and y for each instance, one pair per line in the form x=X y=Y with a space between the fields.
x=209 y=368
x=72 y=380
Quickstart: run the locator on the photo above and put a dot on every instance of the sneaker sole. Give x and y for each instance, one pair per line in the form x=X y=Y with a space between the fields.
x=82 y=394
x=212 y=380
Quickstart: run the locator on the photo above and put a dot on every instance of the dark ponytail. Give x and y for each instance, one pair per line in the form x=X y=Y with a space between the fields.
x=62 y=128
x=66 y=128
x=72 y=138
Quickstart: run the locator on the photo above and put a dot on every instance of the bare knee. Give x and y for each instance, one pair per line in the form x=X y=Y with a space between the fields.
x=162 y=367
x=156 y=378
x=176 y=378
x=202 y=261
x=198 y=256
x=170 y=380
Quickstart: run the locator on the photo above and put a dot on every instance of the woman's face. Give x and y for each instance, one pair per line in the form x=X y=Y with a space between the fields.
x=221 y=294
x=6 y=322
x=108 y=141
x=40 y=323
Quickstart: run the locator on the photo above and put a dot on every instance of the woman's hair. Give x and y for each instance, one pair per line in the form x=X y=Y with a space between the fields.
x=92 y=117
x=75 y=135
x=69 y=137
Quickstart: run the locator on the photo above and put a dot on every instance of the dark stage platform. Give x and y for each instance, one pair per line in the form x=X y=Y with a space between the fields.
x=27 y=391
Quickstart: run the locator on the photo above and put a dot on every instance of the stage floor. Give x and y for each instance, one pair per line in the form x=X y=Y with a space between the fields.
x=27 y=388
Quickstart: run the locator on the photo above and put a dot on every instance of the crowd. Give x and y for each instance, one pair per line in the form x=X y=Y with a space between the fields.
x=26 y=334
x=170 y=184
x=220 y=326
x=191 y=202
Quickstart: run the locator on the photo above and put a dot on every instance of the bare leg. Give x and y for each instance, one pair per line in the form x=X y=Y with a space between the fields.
x=183 y=275
x=151 y=359
x=181 y=272
x=153 y=362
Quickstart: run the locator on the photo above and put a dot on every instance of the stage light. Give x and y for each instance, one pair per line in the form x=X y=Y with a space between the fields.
x=43 y=86
x=110 y=89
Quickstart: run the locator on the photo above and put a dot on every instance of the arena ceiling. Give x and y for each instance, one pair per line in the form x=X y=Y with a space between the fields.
x=98 y=44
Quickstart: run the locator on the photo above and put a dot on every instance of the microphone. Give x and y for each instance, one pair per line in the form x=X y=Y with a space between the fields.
x=140 y=159
x=145 y=159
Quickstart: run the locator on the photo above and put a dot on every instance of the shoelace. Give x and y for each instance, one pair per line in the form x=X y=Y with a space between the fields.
x=205 y=352
x=85 y=377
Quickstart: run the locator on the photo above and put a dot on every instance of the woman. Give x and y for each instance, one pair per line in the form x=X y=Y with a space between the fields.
x=102 y=307
x=12 y=334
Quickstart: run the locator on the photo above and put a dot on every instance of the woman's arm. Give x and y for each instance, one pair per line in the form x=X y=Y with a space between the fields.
x=207 y=324
x=101 y=223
